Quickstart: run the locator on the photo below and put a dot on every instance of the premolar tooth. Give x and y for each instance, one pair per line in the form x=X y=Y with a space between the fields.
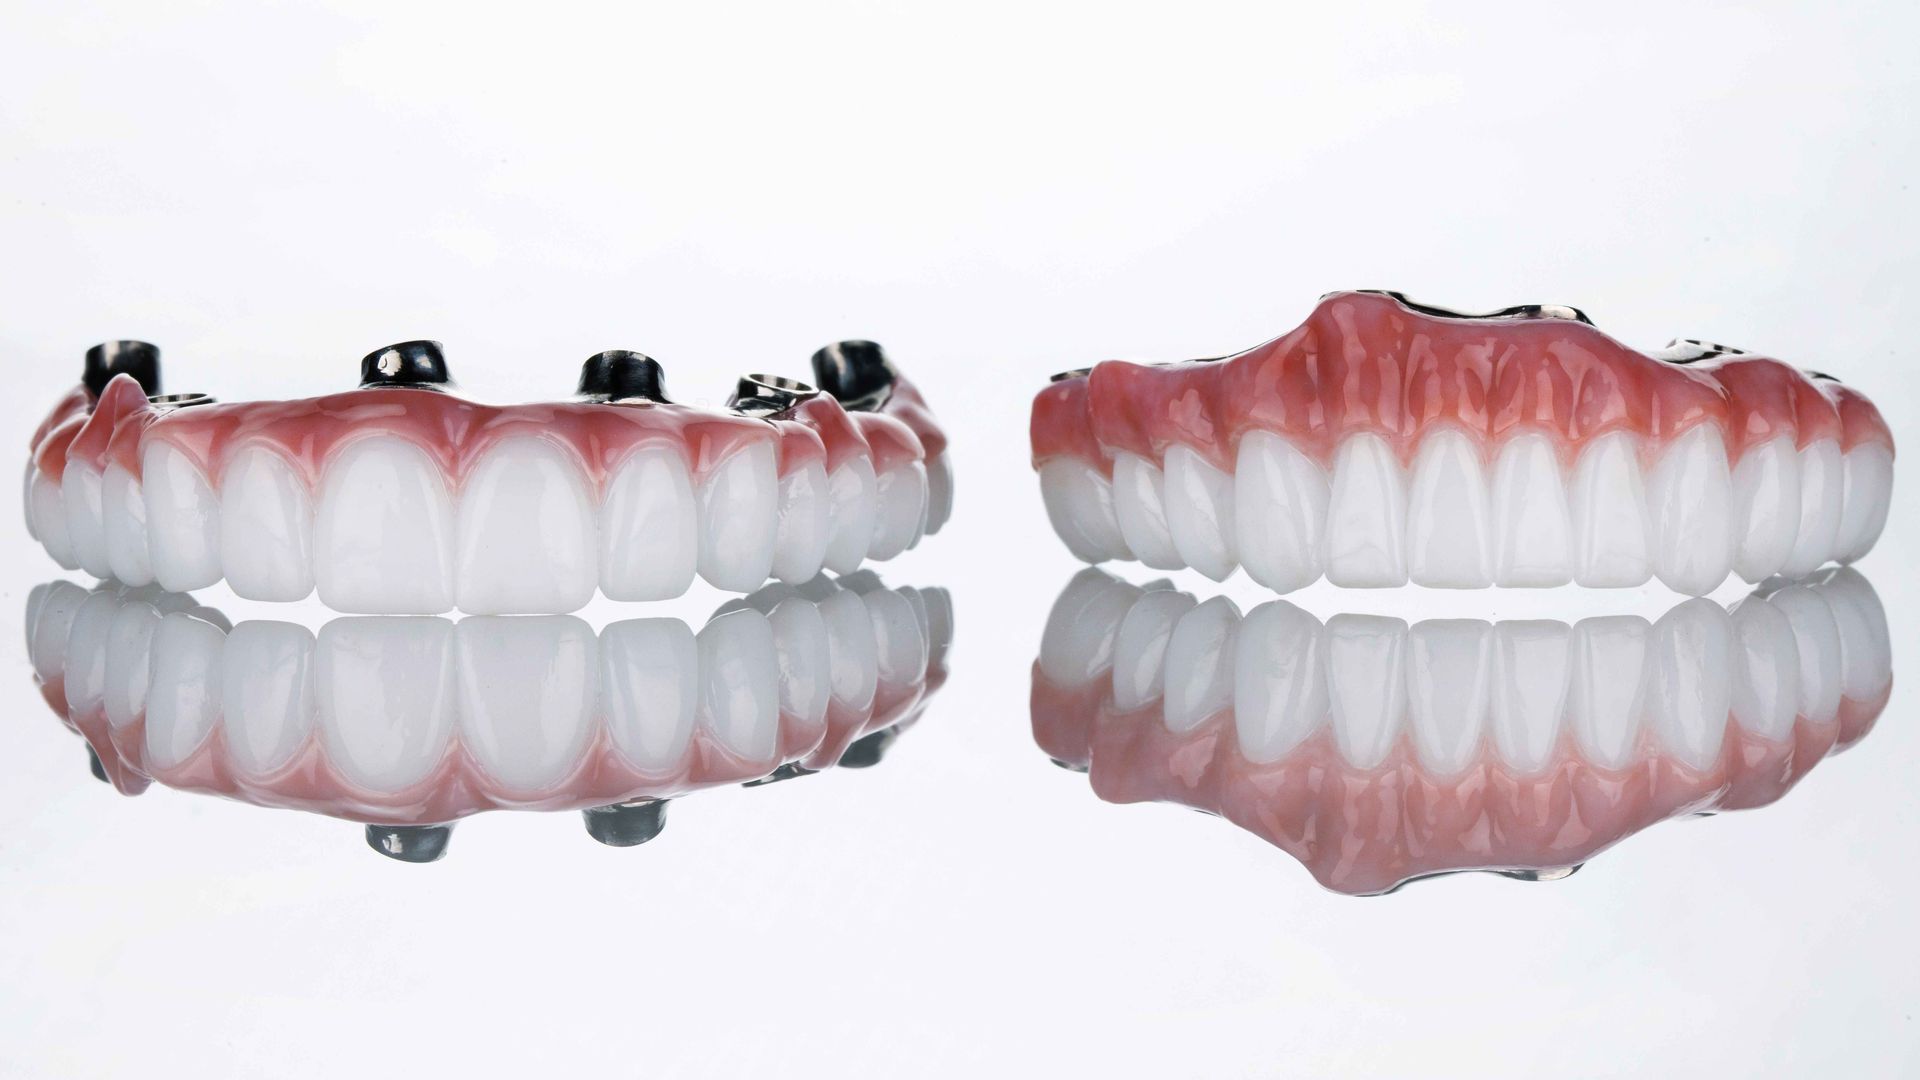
x=1610 y=526
x=1532 y=526
x=525 y=537
x=1079 y=503
x=50 y=521
x=738 y=519
x=739 y=692
x=855 y=507
x=1140 y=647
x=1866 y=656
x=1690 y=495
x=266 y=694
x=183 y=519
x=383 y=531
x=1447 y=692
x=1609 y=676
x=183 y=699
x=526 y=691
x=649 y=680
x=385 y=698
x=1200 y=512
x=1765 y=687
x=1448 y=545
x=266 y=527
x=1766 y=508
x=649 y=528
x=806 y=524
x=806 y=664
x=903 y=510
x=1279 y=688
x=1367 y=685
x=81 y=496
x=1200 y=663
x=1139 y=503
x=1688 y=691
x=1816 y=639
x=1867 y=483
x=1529 y=691
x=1820 y=507
x=1366 y=516
x=124 y=507
x=1077 y=643
x=1280 y=511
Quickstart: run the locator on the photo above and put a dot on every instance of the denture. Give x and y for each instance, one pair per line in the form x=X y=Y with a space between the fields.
x=408 y=724
x=1376 y=753
x=401 y=498
x=1385 y=441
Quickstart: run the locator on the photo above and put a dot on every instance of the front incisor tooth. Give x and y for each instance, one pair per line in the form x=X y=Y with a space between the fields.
x=1366 y=516
x=1366 y=685
x=1448 y=545
x=266 y=695
x=1139 y=502
x=1279 y=686
x=1766 y=508
x=1689 y=693
x=739 y=519
x=1447 y=691
x=1610 y=526
x=526 y=693
x=1609 y=656
x=266 y=527
x=183 y=519
x=649 y=680
x=383 y=531
x=1690 y=495
x=1820 y=508
x=739 y=687
x=1280 y=512
x=1200 y=512
x=649 y=528
x=1079 y=503
x=1532 y=526
x=1529 y=691
x=1867 y=491
x=384 y=697
x=526 y=540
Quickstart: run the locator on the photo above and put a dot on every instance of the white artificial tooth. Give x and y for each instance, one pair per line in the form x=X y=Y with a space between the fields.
x=50 y=521
x=26 y=496
x=649 y=682
x=1766 y=508
x=939 y=491
x=1280 y=511
x=739 y=685
x=1816 y=640
x=130 y=662
x=1279 y=685
x=266 y=527
x=84 y=669
x=900 y=645
x=1610 y=524
x=81 y=496
x=124 y=508
x=1079 y=503
x=1200 y=663
x=806 y=524
x=1530 y=662
x=525 y=537
x=1688 y=690
x=1866 y=650
x=939 y=625
x=1366 y=516
x=1532 y=525
x=183 y=698
x=385 y=698
x=1200 y=512
x=852 y=487
x=806 y=663
x=1821 y=491
x=902 y=493
x=1140 y=647
x=183 y=519
x=1366 y=685
x=1447 y=691
x=266 y=694
x=739 y=504
x=1609 y=686
x=53 y=627
x=1690 y=498
x=1867 y=492
x=1449 y=545
x=1139 y=503
x=649 y=528
x=1077 y=644
x=383 y=531
x=1765 y=684
x=527 y=697
x=851 y=649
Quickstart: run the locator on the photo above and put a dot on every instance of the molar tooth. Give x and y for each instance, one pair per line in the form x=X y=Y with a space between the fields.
x=183 y=519
x=806 y=664
x=1766 y=508
x=902 y=494
x=81 y=496
x=1366 y=516
x=183 y=699
x=525 y=537
x=266 y=694
x=124 y=508
x=1140 y=647
x=1448 y=545
x=1367 y=685
x=1279 y=688
x=649 y=528
x=1077 y=644
x=1200 y=512
x=1609 y=676
x=1688 y=691
x=1447 y=692
x=649 y=679
x=738 y=519
x=1866 y=656
x=129 y=662
x=1690 y=495
x=739 y=692
x=1530 y=663
x=1139 y=504
x=1079 y=503
x=1819 y=510
x=1532 y=530
x=385 y=698
x=266 y=527
x=806 y=524
x=1610 y=525
x=1867 y=489
x=1816 y=639
x=1200 y=663
x=1280 y=512
x=50 y=521
x=383 y=531
x=852 y=487
x=526 y=693
x=1765 y=687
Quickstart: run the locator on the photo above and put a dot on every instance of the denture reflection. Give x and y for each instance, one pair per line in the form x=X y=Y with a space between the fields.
x=1375 y=752
x=410 y=723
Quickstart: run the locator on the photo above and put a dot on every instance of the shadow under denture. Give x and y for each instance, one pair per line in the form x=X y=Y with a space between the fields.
x=1376 y=753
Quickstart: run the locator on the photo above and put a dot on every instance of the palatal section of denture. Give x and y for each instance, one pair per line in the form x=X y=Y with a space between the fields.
x=422 y=720
x=1376 y=752
x=402 y=499
x=1384 y=442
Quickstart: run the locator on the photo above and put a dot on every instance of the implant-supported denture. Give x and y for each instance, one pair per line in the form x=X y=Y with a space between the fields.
x=402 y=498
x=419 y=721
x=1375 y=752
x=1385 y=441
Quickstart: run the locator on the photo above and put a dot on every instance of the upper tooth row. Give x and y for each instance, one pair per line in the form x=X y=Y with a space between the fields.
x=528 y=699
x=1461 y=518
x=1535 y=690
x=525 y=532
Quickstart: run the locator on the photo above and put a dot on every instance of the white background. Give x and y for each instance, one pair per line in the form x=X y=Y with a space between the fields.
x=996 y=192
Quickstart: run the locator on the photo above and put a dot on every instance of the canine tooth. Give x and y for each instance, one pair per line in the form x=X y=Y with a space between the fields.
x=806 y=524
x=1688 y=691
x=1366 y=516
x=384 y=693
x=1140 y=647
x=1690 y=495
x=266 y=694
x=1200 y=662
x=1610 y=525
x=1816 y=640
x=806 y=665
x=1820 y=507
x=738 y=519
x=525 y=537
x=1279 y=687
x=1139 y=505
x=851 y=649
x=855 y=507
x=1447 y=692
x=1532 y=526
x=50 y=521
x=1529 y=690
x=124 y=508
x=129 y=662
x=1866 y=656
x=383 y=531
x=526 y=692
x=1280 y=511
x=649 y=528
x=1077 y=644
x=81 y=496
x=1609 y=661
x=1867 y=489
x=1366 y=685
x=1765 y=687
x=1766 y=508
x=900 y=646
x=183 y=519
x=84 y=668
x=739 y=697
x=649 y=677
x=1200 y=512
x=183 y=698
x=1448 y=545
x=266 y=527
x=1079 y=503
